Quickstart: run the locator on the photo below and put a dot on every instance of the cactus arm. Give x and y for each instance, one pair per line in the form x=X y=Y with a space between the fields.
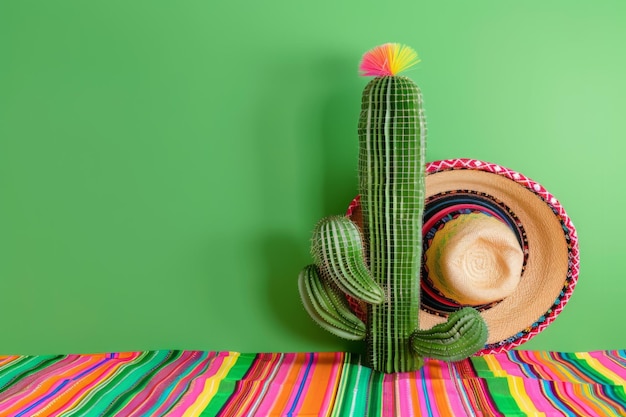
x=327 y=306
x=461 y=336
x=337 y=248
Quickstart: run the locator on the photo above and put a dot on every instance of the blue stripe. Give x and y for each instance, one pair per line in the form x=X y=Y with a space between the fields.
x=423 y=380
x=301 y=387
x=36 y=403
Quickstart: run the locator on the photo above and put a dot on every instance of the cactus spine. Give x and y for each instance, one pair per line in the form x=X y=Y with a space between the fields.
x=392 y=142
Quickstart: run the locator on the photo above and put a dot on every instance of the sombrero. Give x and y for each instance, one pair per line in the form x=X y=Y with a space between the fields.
x=495 y=240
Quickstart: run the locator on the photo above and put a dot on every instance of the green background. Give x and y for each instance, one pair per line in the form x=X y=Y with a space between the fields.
x=162 y=163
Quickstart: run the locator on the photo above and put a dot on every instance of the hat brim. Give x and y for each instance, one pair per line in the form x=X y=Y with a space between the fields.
x=545 y=231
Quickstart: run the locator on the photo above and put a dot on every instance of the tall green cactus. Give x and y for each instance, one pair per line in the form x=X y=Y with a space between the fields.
x=392 y=137
x=380 y=263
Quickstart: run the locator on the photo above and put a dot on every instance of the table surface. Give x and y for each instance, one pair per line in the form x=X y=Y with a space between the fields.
x=208 y=383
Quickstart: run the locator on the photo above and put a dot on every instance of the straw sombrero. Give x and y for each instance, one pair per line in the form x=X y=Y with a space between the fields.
x=495 y=240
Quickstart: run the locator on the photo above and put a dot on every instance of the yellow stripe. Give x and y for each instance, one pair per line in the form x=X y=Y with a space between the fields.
x=211 y=385
x=494 y=366
x=516 y=386
x=597 y=366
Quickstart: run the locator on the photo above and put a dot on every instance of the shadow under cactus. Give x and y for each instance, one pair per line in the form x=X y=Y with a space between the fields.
x=283 y=256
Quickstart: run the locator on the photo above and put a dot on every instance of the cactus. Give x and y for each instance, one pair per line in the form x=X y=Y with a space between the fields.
x=380 y=263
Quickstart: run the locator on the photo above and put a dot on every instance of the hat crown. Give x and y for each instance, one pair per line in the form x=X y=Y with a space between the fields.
x=475 y=259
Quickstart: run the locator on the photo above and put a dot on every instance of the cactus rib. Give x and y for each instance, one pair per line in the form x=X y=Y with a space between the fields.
x=324 y=304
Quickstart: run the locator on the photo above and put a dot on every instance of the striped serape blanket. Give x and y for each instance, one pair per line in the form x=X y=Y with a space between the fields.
x=202 y=383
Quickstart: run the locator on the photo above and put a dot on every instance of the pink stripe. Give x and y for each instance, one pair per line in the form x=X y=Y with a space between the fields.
x=403 y=400
x=538 y=395
x=510 y=365
x=388 y=395
x=275 y=389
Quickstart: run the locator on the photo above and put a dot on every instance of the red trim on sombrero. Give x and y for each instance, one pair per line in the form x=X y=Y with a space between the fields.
x=354 y=204
x=355 y=305
x=443 y=213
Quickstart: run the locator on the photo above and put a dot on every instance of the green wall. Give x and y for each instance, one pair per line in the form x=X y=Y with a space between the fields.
x=162 y=163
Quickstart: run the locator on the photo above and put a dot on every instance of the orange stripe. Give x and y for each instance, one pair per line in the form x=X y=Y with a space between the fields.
x=439 y=385
x=7 y=359
x=319 y=382
x=339 y=362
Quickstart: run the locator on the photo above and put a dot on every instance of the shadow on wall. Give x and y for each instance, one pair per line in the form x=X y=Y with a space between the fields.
x=338 y=134
x=324 y=100
x=284 y=257
x=284 y=260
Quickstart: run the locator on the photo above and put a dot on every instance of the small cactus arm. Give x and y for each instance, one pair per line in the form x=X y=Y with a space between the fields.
x=337 y=248
x=461 y=336
x=392 y=142
x=328 y=306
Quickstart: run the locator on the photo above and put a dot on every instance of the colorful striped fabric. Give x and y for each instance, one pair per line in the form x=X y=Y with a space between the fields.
x=194 y=383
